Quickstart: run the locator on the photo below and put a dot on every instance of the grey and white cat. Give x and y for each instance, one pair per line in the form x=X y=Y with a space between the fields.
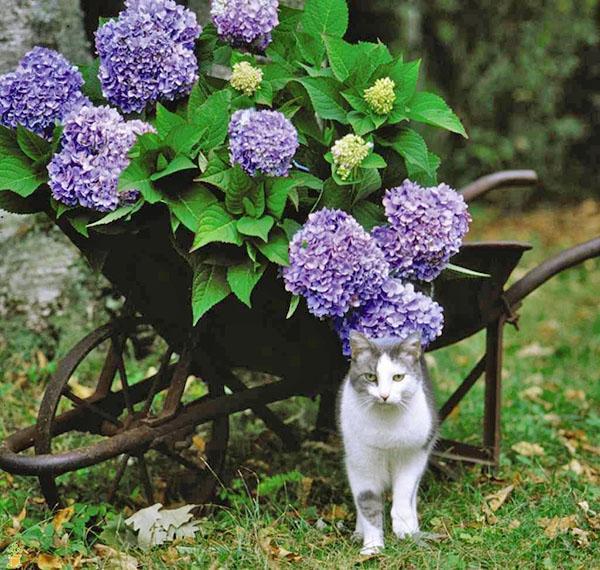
x=389 y=424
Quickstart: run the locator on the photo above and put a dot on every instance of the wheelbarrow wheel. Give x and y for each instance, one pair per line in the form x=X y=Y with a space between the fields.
x=99 y=410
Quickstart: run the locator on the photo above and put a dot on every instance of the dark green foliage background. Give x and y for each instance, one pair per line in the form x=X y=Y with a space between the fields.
x=522 y=75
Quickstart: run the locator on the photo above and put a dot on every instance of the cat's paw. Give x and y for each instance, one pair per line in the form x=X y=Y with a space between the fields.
x=357 y=536
x=404 y=529
x=371 y=550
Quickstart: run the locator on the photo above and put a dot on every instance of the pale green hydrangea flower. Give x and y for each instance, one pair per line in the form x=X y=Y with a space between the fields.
x=246 y=78
x=381 y=97
x=348 y=152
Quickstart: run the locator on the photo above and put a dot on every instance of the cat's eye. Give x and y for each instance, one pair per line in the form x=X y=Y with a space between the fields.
x=369 y=377
x=398 y=377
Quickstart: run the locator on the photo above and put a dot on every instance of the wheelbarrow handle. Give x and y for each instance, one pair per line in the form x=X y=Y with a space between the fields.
x=499 y=179
x=551 y=267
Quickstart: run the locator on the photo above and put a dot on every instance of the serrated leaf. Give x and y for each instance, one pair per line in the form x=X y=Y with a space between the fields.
x=216 y=224
x=369 y=214
x=335 y=196
x=342 y=56
x=373 y=160
x=325 y=17
x=166 y=121
x=188 y=204
x=178 y=164
x=8 y=143
x=198 y=96
x=92 y=88
x=361 y=123
x=17 y=175
x=118 y=214
x=411 y=146
x=80 y=222
x=294 y=302
x=209 y=287
x=184 y=138
x=213 y=117
x=256 y=227
x=276 y=250
x=290 y=227
x=424 y=177
x=370 y=182
x=243 y=278
x=325 y=97
x=239 y=186
x=406 y=76
x=32 y=145
x=137 y=177
x=433 y=110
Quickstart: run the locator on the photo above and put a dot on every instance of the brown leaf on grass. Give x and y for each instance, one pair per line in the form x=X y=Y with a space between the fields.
x=497 y=499
x=586 y=471
x=572 y=439
x=535 y=350
x=581 y=537
x=557 y=525
x=590 y=448
x=553 y=419
x=115 y=560
x=513 y=524
x=532 y=393
x=16 y=521
x=80 y=390
x=42 y=361
x=61 y=517
x=49 y=562
x=199 y=443
x=304 y=491
x=334 y=512
x=275 y=552
x=572 y=394
x=490 y=517
x=528 y=449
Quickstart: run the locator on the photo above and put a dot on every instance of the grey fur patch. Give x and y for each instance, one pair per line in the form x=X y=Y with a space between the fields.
x=428 y=389
x=371 y=507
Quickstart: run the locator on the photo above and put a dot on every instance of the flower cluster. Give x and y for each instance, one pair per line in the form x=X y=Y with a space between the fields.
x=348 y=152
x=334 y=264
x=427 y=226
x=147 y=54
x=246 y=78
x=245 y=23
x=397 y=312
x=381 y=97
x=262 y=142
x=43 y=89
x=95 y=144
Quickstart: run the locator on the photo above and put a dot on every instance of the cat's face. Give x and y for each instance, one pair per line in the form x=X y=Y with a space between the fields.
x=385 y=372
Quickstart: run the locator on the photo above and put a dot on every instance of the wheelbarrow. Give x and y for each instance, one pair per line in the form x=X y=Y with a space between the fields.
x=301 y=355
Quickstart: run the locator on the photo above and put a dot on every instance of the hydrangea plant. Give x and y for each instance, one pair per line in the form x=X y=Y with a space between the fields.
x=308 y=153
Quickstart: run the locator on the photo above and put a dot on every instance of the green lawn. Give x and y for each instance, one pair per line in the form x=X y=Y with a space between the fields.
x=281 y=509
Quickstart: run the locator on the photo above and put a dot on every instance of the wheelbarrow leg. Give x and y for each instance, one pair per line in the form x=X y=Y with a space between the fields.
x=493 y=389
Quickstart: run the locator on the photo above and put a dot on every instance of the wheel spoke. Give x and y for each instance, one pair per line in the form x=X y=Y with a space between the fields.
x=124 y=381
x=68 y=393
x=146 y=481
x=118 y=476
x=157 y=381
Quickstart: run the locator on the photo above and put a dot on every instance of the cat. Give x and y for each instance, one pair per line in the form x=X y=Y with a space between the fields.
x=389 y=425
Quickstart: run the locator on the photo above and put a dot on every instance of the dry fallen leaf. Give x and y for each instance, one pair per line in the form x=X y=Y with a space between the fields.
x=581 y=537
x=49 y=562
x=80 y=390
x=496 y=500
x=588 y=472
x=553 y=419
x=267 y=544
x=115 y=560
x=572 y=394
x=199 y=443
x=334 y=512
x=557 y=525
x=61 y=517
x=515 y=523
x=532 y=393
x=528 y=449
x=534 y=350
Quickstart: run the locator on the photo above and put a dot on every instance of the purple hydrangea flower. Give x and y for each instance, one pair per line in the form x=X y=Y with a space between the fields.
x=43 y=89
x=245 y=23
x=147 y=54
x=262 y=141
x=334 y=264
x=95 y=144
x=396 y=312
x=427 y=227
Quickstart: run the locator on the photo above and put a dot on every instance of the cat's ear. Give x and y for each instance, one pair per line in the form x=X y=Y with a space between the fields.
x=358 y=343
x=411 y=346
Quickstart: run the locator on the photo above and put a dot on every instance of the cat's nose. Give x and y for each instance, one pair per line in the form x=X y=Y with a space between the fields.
x=384 y=397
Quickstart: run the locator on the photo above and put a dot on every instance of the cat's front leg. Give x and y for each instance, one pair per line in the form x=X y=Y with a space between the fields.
x=368 y=498
x=406 y=477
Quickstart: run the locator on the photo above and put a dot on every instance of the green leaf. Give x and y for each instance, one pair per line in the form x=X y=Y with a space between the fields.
x=325 y=97
x=256 y=228
x=411 y=146
x=371 y=182
x=166 y=121
x=276 y=250
x=361 y=123
x=216 y=224
x=294 y=302
x=243 y=278
x=137 y=176
x=335 y=196
x=452 y=271
x=18 y=176
x=178 y=164
x=368 y=214
x=371 y=56
x=239 y=186
x=80 y=222
x=209 y=287
x=342 y=57
x=213 y=115
x=118 y=214
x=34 y=146
x=424 y=177
x=92 y=87
x=373 y=160
x=311 y=48
x=325 y=17
x=357 y=101
x=198 y=96
x=433 y=110
x=8 y=142
x=185 y=138
x=189 y=203
x=290 y=227
x=406 y=76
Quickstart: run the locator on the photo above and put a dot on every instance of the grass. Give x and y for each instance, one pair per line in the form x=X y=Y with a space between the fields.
x=280 y=509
